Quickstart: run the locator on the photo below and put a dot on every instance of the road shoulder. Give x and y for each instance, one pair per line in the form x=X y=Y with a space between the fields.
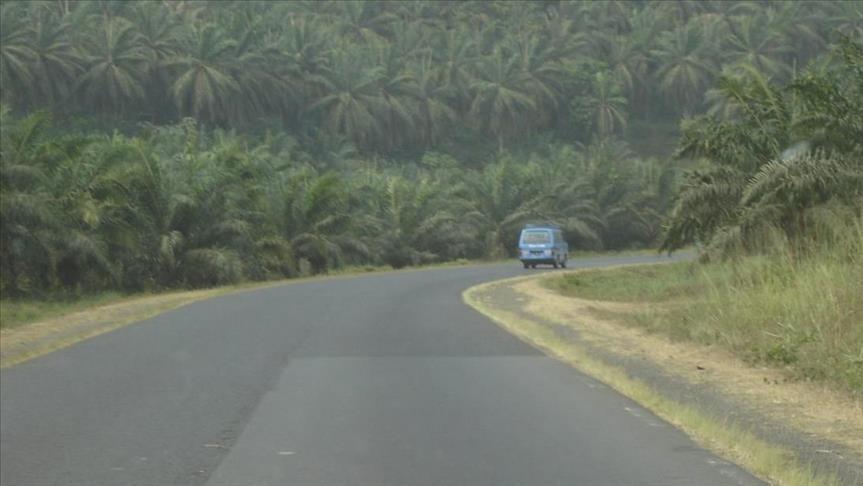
x=749 y=415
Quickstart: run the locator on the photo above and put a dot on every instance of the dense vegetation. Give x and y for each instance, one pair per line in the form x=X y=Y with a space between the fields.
x=401 y=77
x=159 y=144
x=785 y=165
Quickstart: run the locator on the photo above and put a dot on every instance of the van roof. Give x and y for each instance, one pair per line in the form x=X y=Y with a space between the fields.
x=541 y=226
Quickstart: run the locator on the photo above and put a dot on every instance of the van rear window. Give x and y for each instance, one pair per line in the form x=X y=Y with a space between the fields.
x=536 y=237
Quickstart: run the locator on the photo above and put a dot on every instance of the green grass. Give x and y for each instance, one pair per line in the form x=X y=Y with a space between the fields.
x=641 y=283
x=804 y=314
x=16 y=312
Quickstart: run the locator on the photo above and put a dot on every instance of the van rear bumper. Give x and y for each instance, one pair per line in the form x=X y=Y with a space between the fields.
x=539 y=260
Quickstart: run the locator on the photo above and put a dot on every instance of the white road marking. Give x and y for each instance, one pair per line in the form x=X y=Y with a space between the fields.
x=632 y=411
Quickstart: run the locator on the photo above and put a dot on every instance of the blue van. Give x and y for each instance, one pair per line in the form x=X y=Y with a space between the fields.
x=542 y=243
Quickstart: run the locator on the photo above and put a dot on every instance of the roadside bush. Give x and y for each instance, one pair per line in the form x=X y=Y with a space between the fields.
x=800 y=309
x=211 y=267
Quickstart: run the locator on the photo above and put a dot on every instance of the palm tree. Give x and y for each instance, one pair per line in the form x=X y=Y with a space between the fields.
x=16 y=54
x=628 y=62
x=631 y=216
x=307 y=46
x=205 y=87
x=827 y=104
x=159 y=32
x=502 y=195
x=99 y=232
x=395 y=108
x=316 y=220
x=500 y=104
x=628 y=192
x=541 y=71
x=753 y=182
x=796 y=25
x=434 y=114
x=611 y=16
x=629 y=56
x=570 y=199
x=760 y=131
x=752 y=42
x=162 y=208
x=607 y=104
x=563 y=35
x=29 y=217
x=115 y=59
x=53 y=216
x=431 y=15
x=681 y=11
x=263 y=88
x=363 y=21
x=351 y=97
x=410 y=40
x=300 y=61
x=718 y=105
x=523 y=18
x=411 y=217
x=55 y=63
x=684 y=65
x=456 y=54
x=197 y=215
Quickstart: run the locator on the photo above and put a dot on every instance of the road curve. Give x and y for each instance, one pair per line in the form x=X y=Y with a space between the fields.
x=384 y=379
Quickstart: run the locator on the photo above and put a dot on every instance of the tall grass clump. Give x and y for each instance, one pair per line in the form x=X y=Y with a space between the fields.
x=799 y=308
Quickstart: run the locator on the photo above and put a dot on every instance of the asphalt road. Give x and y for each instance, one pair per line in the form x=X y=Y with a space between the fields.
x=384 y=379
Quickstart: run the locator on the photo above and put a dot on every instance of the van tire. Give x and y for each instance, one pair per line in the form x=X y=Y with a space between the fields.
x=554 y=263
x=525 y=265
x=563 y=263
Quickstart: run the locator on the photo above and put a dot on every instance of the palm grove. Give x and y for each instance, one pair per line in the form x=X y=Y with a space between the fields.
x=187 y=143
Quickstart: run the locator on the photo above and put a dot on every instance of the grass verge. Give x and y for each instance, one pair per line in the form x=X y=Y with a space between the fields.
x=66 y=323
x=17 y=312
x=805 y=317
x=768 y=461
